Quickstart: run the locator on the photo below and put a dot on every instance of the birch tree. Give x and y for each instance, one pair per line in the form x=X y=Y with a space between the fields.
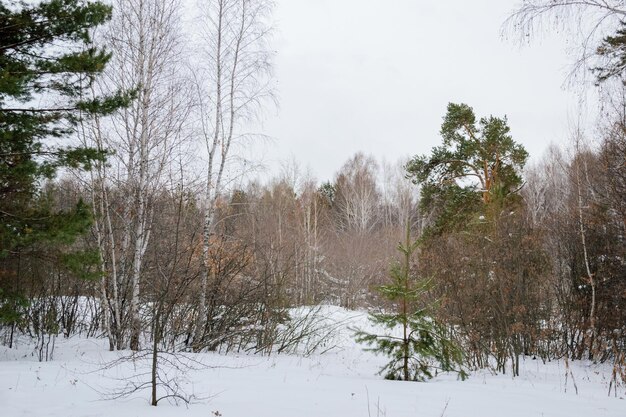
x=146 y=43
x=357 y=196
x=579 y=166
x=311 y=219
x=356 y=206
x=232 y=83
x=597 y=27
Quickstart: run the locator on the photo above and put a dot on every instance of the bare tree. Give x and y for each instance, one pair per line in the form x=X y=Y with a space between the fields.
x=232 y=84
x=357 y=197
x=312 y=216
x=580 y=169
x=400 y=195
x=589 y=21
x=145 y=38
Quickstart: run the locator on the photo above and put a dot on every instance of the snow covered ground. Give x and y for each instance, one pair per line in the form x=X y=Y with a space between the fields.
x=340 y=383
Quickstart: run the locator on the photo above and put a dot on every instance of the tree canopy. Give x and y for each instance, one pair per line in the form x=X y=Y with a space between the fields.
x=478 y=161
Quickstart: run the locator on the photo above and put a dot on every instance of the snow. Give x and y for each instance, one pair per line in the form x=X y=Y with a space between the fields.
x=342 y=382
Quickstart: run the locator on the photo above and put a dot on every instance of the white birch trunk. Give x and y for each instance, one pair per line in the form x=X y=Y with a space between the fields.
x=235 y=88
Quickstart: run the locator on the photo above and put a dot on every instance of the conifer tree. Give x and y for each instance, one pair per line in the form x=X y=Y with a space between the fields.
x=613 y=50
x=478 y=164
x=423 y=345
x=48 y=64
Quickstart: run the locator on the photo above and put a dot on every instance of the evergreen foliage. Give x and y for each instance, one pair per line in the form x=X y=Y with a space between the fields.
x=48 y=64
x=478 y=162
x=424 y=346
x=613 y=50
x=470 y=185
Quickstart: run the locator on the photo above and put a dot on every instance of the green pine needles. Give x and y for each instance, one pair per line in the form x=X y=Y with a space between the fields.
x=416 y=344
x=48 y=66
x=478 y=164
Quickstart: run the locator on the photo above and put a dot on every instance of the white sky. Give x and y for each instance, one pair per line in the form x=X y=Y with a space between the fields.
x=376 y=76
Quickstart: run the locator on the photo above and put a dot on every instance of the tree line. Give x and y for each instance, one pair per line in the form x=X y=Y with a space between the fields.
x=145 y=231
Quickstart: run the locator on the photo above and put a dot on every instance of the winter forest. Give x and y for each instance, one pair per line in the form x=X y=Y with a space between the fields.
x=148 y=257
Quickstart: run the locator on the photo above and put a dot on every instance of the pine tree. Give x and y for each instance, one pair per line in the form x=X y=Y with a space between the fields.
x=613 y=50
x=478 y=163
x=424 y=345
x=48 y=64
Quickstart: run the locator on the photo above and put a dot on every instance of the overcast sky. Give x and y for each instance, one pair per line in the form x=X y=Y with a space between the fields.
x=376 y=76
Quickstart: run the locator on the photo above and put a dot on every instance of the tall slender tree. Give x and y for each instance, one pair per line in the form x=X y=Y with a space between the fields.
x=232 y=81
x=146 y=40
